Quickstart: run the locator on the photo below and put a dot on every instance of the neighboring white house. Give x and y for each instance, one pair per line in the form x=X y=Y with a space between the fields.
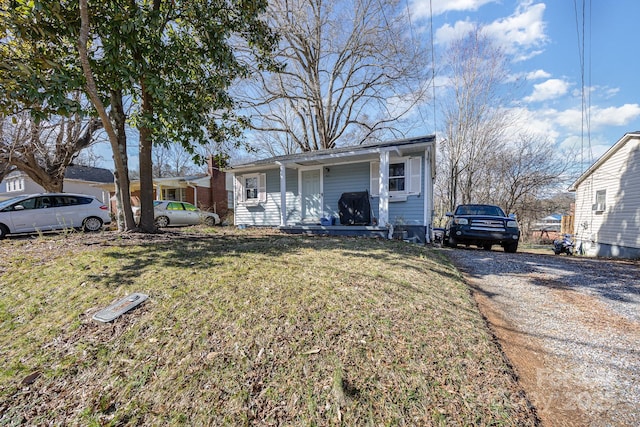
x=77 y=179
x=374 y=189
x=607 y=213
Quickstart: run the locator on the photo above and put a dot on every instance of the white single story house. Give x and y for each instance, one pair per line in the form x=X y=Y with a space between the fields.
x=381 y=189
x=77 y=179
x=607 y=212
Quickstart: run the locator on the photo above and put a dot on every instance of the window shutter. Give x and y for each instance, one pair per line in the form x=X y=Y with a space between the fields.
x=239 y=189
x=374 y=168
x=262 y=187
x=415 y=176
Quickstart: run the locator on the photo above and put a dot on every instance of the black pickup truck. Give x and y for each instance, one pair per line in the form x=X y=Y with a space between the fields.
x=482 y=226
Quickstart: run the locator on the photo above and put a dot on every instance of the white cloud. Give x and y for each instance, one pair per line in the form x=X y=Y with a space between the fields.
x=422 y=8
x=447 y=33
x=591 y=149
x=565 y=129
x=603 y=92
x=531 y=75
x=550 y=89
x=522 y=33
x=537 y=74
x=614 y=116
x=599 y=118
x=531 y=122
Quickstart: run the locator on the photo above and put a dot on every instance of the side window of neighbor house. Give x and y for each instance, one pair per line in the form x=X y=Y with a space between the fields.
x=16 y=184
x=601 y=200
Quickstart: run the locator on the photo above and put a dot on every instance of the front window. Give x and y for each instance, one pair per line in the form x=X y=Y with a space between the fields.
x=397 y=176
x=251 y=187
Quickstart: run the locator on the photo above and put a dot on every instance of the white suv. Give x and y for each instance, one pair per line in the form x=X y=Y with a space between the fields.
x=52 y=211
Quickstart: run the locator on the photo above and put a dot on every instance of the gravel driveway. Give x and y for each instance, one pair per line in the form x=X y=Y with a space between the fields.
x=569 y=326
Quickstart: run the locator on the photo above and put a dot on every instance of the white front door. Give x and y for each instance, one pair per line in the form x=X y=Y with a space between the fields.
x=311 y=195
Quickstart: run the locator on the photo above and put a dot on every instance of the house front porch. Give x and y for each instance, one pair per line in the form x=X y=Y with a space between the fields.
x=337 y=230
x=414 y=234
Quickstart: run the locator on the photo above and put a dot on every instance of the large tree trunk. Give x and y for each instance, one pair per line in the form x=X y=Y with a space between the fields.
x=117 y=139
x=123 y=192
x=147 y=220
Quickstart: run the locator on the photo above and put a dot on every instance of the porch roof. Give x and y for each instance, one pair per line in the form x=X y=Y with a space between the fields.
x=336 y=155
x=170 y=182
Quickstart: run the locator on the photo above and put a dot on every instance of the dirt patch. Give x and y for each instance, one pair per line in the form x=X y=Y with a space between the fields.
x=531 y=363
x=568 y=327
x=596 y=315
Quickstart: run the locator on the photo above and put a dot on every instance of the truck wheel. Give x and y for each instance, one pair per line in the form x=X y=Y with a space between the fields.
x=511 y=247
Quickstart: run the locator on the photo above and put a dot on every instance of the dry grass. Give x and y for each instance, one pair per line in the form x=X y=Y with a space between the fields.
x=245 y=328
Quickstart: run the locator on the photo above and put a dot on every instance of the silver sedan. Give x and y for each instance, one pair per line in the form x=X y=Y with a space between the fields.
x=174 y=213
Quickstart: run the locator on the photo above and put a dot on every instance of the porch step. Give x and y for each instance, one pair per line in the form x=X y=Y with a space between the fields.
x=338 y=230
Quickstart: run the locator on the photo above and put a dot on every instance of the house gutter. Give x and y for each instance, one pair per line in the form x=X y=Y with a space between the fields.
x=325 y=157
x=283 y=193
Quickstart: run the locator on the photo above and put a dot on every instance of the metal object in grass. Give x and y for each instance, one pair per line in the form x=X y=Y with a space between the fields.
x=119 y=307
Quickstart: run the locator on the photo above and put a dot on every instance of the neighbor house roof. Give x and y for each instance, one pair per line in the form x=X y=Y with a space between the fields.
x=80 y=173
x=329 y=156
x=88 y=173
x=607 y=155
x=175 y=182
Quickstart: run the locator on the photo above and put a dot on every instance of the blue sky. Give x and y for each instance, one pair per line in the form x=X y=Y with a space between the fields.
x=541 y=40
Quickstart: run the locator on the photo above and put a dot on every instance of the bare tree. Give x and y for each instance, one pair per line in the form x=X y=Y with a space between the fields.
x=89 y=157
x=43 y=150
x=528 y=168
x=350 y=72
x=473 y=111
x=5 y=169
x=172 y=160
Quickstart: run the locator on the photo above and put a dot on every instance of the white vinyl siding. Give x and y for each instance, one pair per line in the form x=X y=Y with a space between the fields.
x=267 y=212
x=616 y=184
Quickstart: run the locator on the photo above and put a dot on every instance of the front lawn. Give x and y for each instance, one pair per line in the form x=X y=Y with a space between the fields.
x=245 y=328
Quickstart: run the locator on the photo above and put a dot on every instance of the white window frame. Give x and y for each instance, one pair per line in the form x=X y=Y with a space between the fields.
x=241 y=195
x=601 y=201
x=15 y=185
x=412 y=177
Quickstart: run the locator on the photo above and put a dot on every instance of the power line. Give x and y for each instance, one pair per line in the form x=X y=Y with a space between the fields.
x=433 y=66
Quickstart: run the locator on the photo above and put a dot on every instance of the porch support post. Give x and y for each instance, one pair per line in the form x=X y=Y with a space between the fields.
x=428 y=192
x=283 y=194
x=195 y=194
x=383 y=205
